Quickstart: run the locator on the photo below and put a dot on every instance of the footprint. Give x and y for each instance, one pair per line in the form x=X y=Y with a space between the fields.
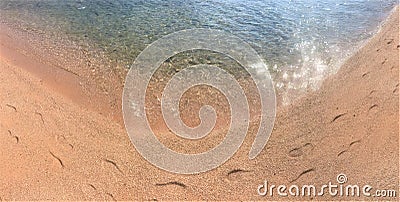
x=365 y=74
x=296 y=152
x=389 y=41
x=354 y=142
x=14 y=136
x=373 y=108
x=303 y=173
x=113 y=163
x=180 y=184
x=396 y=88
x=348 y=148
x=370 y=93
x=57 y=158
x=111 y=196
x=237 y=171
x=92 y=186
x=12 y=107
x=40 y=116
x=337 y=117
x=299 y=151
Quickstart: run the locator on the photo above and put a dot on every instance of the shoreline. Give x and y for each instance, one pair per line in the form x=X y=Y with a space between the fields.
x=79 y=79
x=56 y=148
x=84 y=76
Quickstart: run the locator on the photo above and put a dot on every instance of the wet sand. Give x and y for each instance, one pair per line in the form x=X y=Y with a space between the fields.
x=62 y=140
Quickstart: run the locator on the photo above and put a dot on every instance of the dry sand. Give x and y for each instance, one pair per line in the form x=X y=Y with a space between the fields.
x=53 y=146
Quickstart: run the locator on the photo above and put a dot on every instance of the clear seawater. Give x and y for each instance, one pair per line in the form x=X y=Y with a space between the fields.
x=301 y=41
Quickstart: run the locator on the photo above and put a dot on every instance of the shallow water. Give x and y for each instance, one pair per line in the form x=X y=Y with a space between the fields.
x=301 y=41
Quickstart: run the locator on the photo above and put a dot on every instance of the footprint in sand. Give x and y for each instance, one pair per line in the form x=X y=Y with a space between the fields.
x=348 y=148
x=12 y=107
x=299 y=151
x=373 y=109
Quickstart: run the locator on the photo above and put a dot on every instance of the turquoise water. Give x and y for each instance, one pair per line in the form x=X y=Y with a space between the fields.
x=301 y=40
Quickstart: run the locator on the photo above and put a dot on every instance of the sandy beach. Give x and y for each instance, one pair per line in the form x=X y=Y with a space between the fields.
x=62 y=135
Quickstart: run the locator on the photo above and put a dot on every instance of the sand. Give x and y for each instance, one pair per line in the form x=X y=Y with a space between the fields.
x=54 y=146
